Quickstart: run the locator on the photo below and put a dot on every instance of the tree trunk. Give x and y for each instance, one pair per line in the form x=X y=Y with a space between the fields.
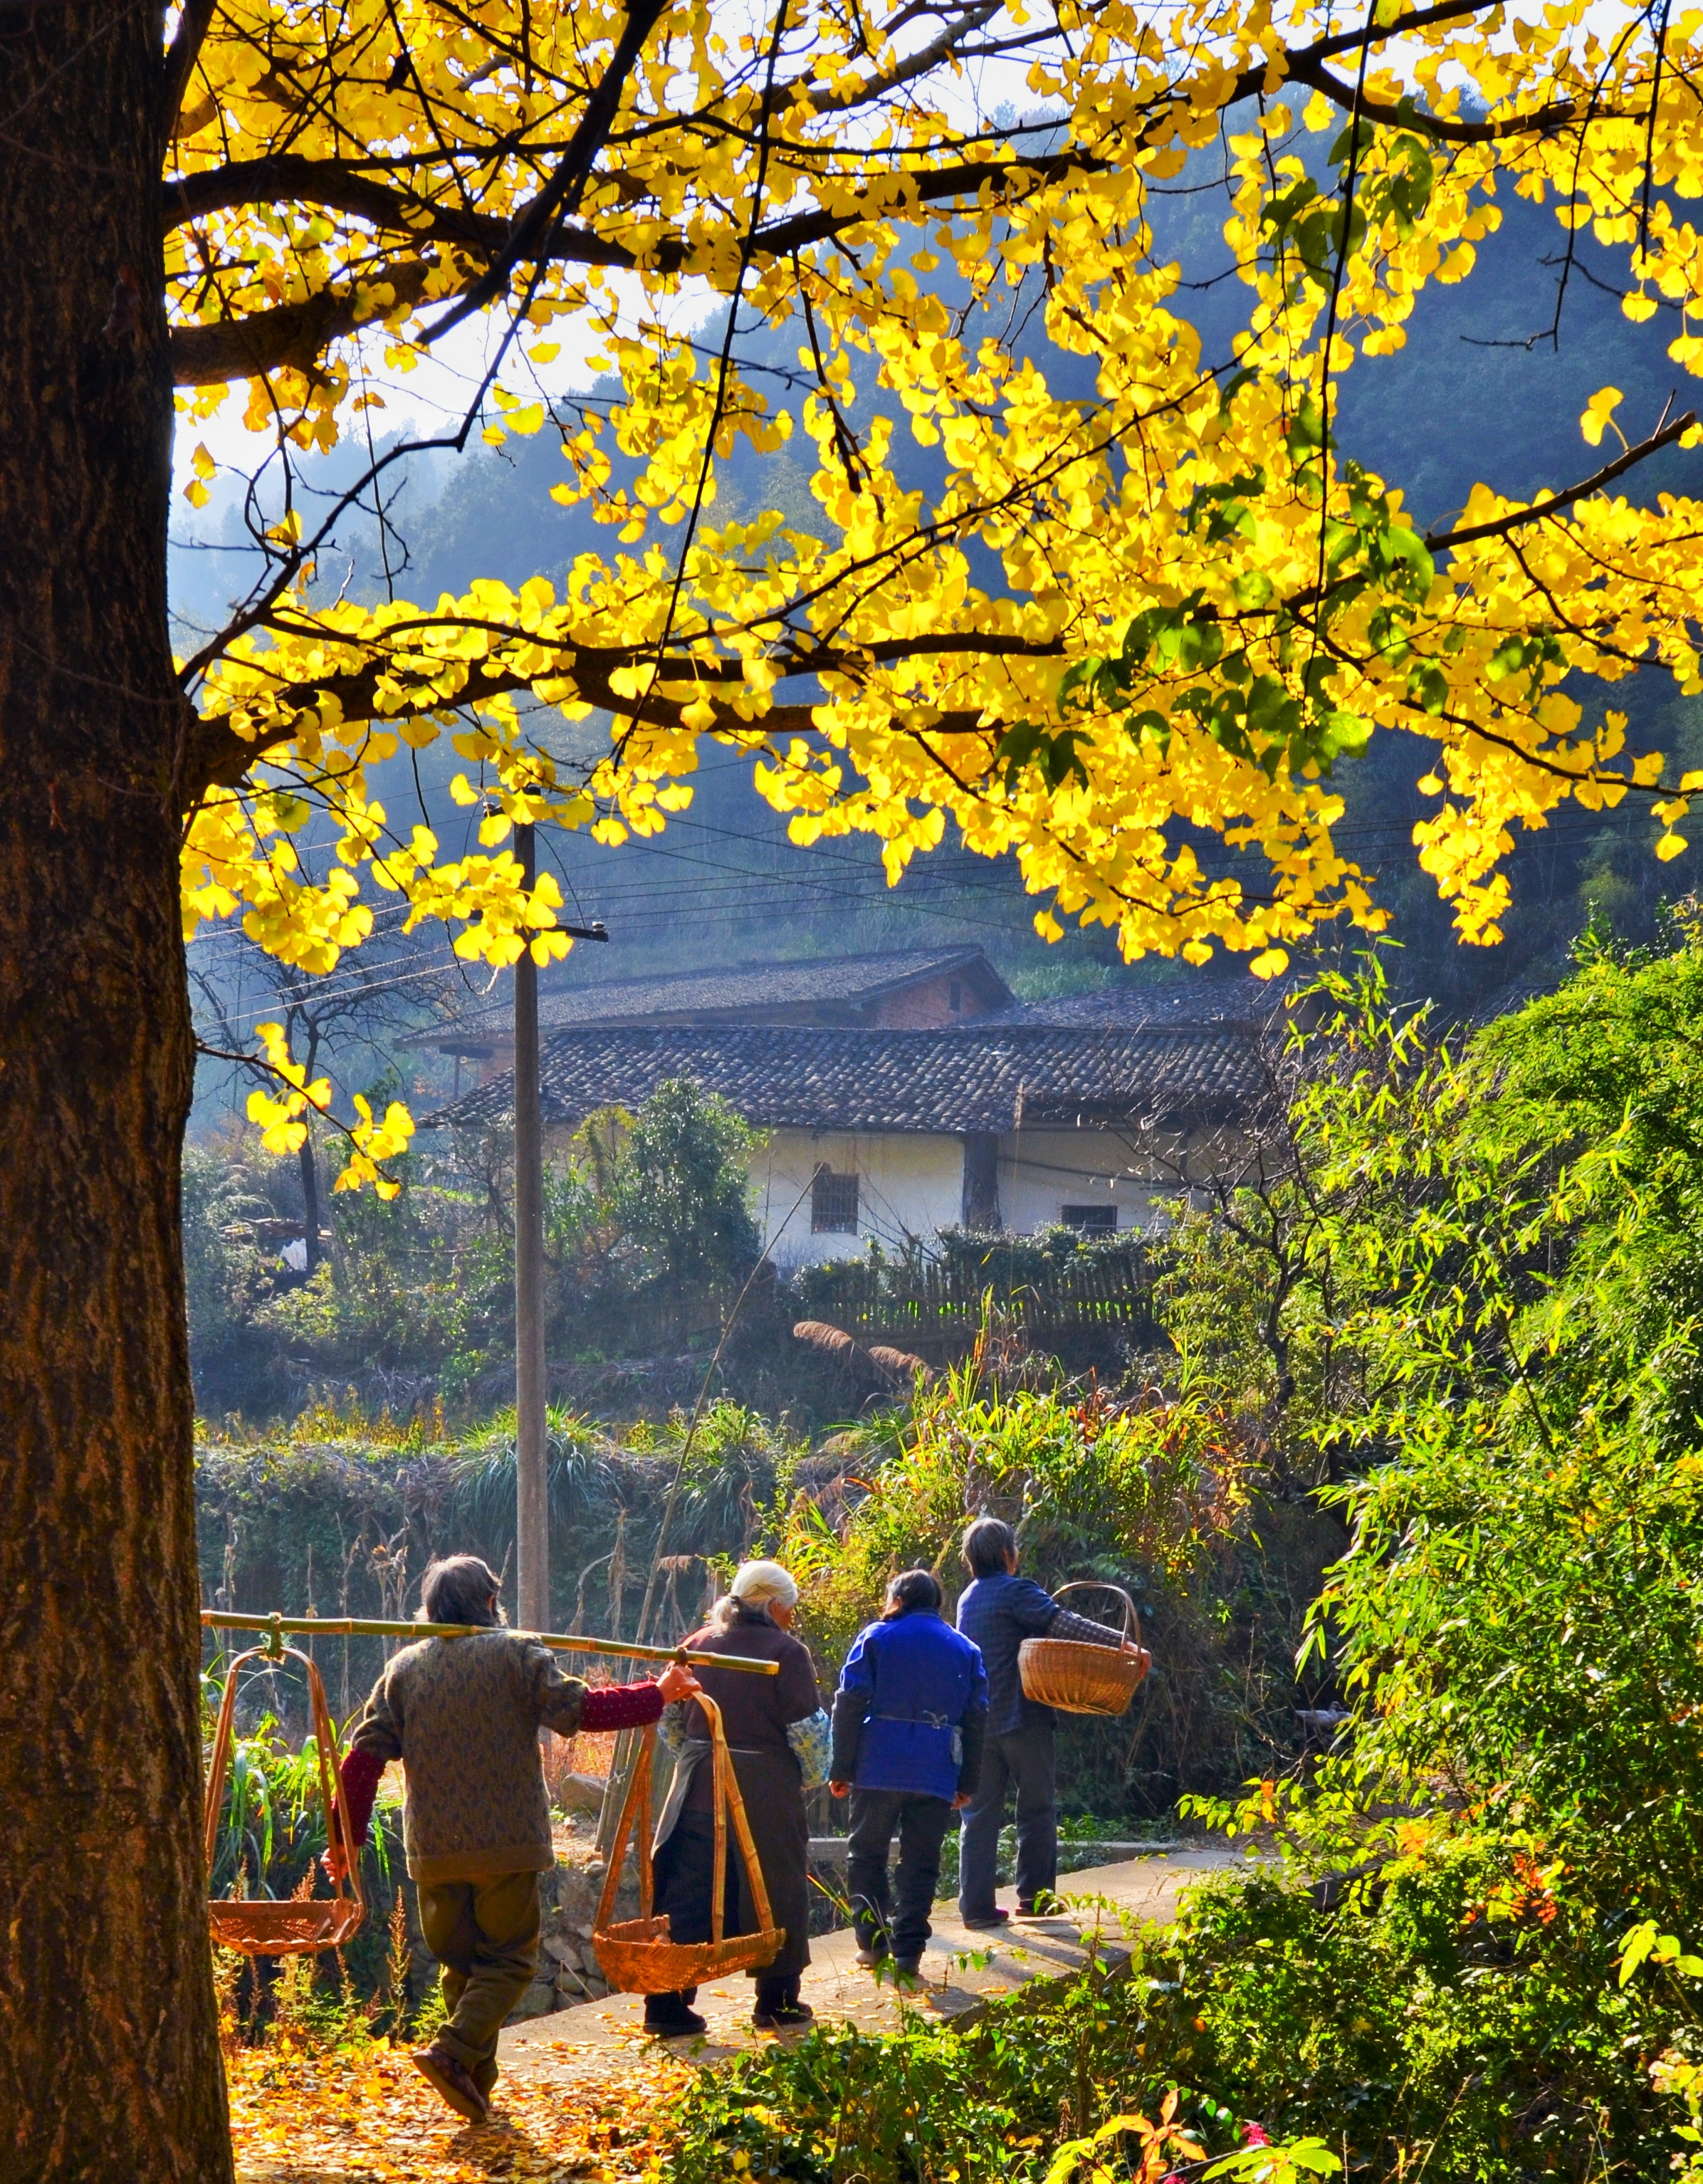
x=310 y=1201
x=109 y=2062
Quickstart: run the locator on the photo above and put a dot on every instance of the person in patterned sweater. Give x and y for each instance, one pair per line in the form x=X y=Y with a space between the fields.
x=462 y=1715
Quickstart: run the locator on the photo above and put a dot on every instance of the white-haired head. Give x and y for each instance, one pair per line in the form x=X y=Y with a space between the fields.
x=757 y=1584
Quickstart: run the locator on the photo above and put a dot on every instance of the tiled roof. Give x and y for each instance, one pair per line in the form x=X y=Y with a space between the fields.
x=1140 y=1008
x=824 y=1078
x=826 y=980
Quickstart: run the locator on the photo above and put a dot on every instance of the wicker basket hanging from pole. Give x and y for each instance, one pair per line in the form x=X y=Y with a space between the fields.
x=637 y=1955
x=1081 y=1678
x=295 y=1925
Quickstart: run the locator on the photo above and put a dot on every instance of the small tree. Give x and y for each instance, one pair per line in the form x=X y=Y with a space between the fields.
x=681 y=1193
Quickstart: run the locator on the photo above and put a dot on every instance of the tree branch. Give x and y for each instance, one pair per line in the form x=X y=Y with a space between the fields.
x=1500 y=526
x=533 y=229
x=289 y=334
x=1303 y=69
x=221 y=758
x=294 y=333
x=181 y=56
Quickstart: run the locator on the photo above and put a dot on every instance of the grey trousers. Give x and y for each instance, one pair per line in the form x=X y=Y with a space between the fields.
x=1024 y=1758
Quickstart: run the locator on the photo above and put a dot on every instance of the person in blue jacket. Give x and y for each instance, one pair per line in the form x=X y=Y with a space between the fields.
x=998 y=1610
x=908 y=1725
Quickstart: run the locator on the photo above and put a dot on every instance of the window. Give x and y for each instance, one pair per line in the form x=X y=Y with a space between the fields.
x=1090 y=1220
x=833 y=1203
x=954 y=995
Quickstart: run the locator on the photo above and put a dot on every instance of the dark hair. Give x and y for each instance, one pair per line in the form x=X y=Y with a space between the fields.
x=460 y=1589
x=988 y=1544
x=910 y=1591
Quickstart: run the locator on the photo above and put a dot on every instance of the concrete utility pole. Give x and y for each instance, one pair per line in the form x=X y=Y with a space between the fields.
x=532 y=1436
x=531 y=1474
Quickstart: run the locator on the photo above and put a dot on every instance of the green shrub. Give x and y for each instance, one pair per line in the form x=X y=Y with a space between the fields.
x=992 y=2101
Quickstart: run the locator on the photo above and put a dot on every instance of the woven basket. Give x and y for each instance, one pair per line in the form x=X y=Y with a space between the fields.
x=637 y=1955
x=1082 y=1679
x=295 y=1925
x=266 y=1927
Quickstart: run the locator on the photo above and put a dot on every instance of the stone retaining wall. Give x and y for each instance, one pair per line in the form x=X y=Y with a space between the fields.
x=567 y=1967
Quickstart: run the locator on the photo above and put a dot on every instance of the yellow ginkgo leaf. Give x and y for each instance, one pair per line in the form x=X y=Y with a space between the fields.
x=1599 y=414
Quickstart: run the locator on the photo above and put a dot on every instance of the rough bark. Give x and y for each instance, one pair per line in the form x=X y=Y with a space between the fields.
x=109 y=2064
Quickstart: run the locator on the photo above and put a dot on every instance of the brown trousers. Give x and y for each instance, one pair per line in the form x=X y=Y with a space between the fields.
x=485 y=1934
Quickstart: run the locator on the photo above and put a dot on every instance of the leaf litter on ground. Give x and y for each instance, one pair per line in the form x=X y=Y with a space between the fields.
x=303 y=2113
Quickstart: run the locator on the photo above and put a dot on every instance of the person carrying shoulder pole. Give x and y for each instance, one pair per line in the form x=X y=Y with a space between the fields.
x=996 y=1611
x=908 y=1723
x=462 y=1715
x=775 y=1727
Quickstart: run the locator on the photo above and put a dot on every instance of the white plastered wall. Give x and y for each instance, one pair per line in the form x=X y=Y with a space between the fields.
x=909 y=1185
x=1044 y=1170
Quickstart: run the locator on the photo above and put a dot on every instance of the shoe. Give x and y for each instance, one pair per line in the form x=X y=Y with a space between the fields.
x=996 y=1917
x=781 y=2016
x=867 y=1959
x=452 y=2082
x=908 y=1970
x=1033 y=1911
x=686 y=2023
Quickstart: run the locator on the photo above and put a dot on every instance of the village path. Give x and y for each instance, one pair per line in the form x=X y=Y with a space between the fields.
x=962 y=1970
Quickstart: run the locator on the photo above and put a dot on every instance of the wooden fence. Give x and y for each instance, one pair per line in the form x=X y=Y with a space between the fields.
x=938 y=1308
x=1102 y=1301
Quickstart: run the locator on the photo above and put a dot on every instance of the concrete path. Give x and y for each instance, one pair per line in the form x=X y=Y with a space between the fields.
x=961 y=1969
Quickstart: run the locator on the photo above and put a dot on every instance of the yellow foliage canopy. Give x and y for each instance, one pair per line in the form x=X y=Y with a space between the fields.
x=1202 y=602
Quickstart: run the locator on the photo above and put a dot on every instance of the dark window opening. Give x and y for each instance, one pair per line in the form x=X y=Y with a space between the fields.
x=954 y=995
x=833 y=1203
x=1091 y=1220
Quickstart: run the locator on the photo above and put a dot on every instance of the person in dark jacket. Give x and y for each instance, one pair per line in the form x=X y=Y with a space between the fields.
x=758 y=1712
x=909 y=1717
x=996 y=1611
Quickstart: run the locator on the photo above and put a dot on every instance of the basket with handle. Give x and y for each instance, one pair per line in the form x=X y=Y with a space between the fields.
x=1081 y=1678
x=297 y=1925
x=637 y=1956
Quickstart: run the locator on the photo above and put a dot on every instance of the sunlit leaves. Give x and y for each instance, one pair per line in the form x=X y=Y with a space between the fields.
x=280 y=1116
x=1080 y=630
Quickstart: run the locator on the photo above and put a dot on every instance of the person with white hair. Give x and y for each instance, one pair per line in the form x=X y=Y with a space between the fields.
x=769 y=1721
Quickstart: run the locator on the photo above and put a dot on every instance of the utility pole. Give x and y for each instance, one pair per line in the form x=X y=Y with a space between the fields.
x=532 y=1474
x=532 y=1436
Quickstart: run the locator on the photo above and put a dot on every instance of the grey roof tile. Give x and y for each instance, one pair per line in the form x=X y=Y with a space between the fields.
x=1140 y=1008
x=981 y=1077
x=825 y=980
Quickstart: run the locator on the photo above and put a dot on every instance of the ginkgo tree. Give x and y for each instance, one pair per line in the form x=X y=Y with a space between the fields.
x=1128 y=636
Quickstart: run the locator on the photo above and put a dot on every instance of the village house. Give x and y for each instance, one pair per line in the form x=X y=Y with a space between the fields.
x=898 y=1096
x=908 y=988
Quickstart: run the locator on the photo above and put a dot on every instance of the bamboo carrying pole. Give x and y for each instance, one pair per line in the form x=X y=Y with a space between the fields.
x=354 y=1626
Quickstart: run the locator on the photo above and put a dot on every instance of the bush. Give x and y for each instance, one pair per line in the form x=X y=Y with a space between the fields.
x=646 y=1235
x=681 y=1200
x=992 y=2101
x=1157 y=1494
